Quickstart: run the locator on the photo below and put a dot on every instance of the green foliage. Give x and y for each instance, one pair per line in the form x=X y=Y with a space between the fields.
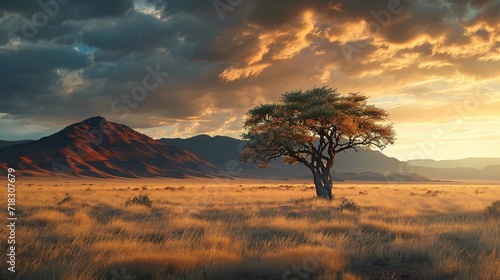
x=139 y=200
x=494 y=209
x=316 y=122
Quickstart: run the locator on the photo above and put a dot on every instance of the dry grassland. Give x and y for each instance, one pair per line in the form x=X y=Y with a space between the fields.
x=253 y=230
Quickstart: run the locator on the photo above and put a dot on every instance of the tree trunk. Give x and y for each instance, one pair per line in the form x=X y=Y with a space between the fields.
x=323 y=183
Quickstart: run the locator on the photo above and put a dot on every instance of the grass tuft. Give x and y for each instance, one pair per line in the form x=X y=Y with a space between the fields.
x=348 y=204
x=494 y=209
x=141 y=199
x=67 y=198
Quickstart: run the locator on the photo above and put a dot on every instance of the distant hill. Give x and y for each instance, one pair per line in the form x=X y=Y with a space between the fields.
x=96 y=147
x=477 y=163
x=460 y=173
x=218 y=150
x=224 y=152
x=4 y=143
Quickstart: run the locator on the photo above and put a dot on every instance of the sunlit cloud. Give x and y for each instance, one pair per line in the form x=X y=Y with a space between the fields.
x=232 y=73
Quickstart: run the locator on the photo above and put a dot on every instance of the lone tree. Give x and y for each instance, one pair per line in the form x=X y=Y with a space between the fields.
x=311 y=128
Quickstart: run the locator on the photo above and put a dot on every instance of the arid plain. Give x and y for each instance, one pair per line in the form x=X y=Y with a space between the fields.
x=254 y=229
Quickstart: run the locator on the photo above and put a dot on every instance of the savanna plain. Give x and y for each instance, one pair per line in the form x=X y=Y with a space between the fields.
x=253 y=229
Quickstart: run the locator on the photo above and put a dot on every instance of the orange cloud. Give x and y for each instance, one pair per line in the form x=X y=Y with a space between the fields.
x=232 y=73
x=280 y=45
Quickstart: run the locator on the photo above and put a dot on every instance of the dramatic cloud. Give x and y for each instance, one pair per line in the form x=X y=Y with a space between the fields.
x=180 y=68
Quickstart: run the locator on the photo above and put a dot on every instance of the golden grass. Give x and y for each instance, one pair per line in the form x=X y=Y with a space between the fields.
x=254 y=230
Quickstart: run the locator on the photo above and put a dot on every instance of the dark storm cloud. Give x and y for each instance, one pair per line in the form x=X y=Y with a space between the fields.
x=137 y=32
x=31 y=71
x=143 y=34
x=69 y=9
x=191 y=7
x=490 y=14
x=216 y=40
x=50 y=19
x=282 y=12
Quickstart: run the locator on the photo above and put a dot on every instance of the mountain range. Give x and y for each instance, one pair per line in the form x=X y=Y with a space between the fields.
x=96 y=147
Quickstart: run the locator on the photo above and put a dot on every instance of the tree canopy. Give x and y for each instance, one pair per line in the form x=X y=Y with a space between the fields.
x=311 y=127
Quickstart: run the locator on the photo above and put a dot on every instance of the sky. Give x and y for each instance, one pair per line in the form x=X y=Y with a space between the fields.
x=181 y=68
